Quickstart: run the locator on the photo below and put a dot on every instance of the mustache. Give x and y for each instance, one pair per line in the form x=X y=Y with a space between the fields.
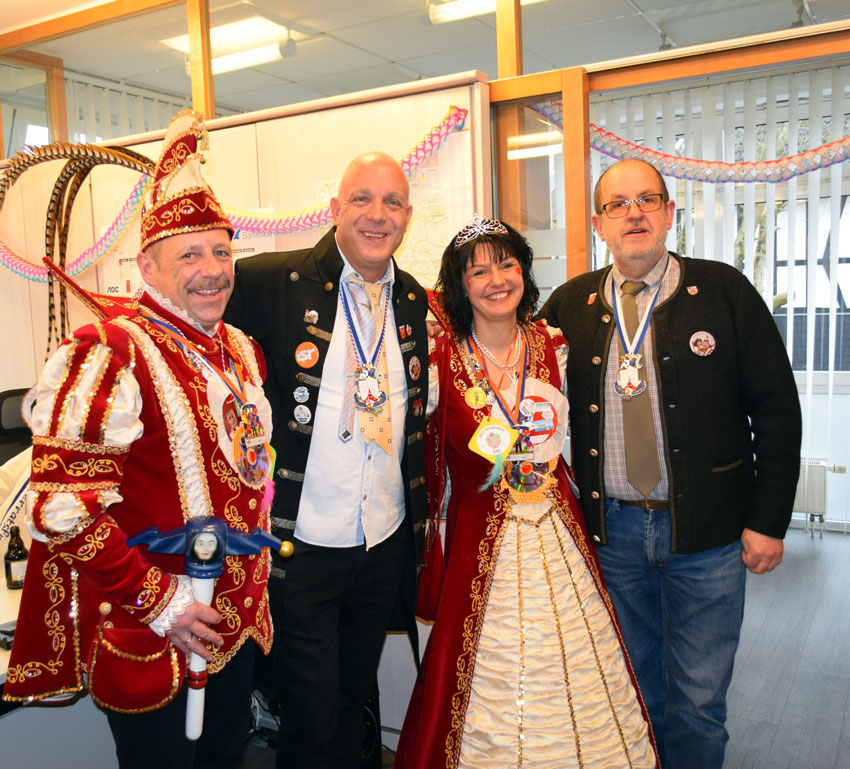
x=210 y=284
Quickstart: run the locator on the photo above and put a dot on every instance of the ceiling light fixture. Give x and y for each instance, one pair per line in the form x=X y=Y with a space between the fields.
x=454 y=10
x=253 y=57
x=535 y=145
x=240 y=44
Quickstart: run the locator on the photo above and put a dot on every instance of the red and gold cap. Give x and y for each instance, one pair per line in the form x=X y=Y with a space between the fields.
x=179 y=199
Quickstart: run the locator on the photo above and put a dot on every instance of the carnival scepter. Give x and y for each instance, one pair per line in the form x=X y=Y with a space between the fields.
x=205 y=541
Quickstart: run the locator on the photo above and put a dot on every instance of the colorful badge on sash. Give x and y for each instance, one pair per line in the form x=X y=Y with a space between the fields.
x=538 y=420
x=250 y=450
x=493 y=440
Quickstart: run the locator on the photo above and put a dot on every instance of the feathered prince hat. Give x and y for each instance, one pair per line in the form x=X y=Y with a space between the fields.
x=179 y=200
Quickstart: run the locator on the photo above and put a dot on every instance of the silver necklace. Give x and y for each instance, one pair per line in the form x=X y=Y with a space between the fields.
x=487 y=354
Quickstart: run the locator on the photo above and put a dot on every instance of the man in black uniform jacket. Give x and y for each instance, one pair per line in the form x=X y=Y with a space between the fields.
x=343 y=330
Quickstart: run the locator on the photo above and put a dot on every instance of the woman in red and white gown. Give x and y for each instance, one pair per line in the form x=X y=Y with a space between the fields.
x=525 y=666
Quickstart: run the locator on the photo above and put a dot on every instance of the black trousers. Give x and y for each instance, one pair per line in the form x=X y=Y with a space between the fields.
x=158 y=739
x=330 y=613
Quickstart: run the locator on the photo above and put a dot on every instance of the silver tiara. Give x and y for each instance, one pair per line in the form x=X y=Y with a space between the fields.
x=478 y=227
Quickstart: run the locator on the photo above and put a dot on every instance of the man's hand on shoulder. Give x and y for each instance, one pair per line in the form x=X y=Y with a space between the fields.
x=434 y=327
x=761 y=553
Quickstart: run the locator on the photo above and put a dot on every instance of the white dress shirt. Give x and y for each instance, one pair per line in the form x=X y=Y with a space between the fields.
x=353 y=492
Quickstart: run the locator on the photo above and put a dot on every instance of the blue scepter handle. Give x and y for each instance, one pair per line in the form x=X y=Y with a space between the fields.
x=205 y=541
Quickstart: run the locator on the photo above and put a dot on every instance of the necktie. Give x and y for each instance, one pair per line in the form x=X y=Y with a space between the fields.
x=367 y=307
x=642 y=468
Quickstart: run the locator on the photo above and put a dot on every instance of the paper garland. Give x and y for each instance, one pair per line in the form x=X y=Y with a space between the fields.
x=455 y=120
x=708 y=171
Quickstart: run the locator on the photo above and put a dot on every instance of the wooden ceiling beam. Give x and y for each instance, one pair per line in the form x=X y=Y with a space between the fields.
x=78 y=21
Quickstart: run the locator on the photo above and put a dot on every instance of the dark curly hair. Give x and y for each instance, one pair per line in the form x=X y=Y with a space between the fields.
x=450 y=281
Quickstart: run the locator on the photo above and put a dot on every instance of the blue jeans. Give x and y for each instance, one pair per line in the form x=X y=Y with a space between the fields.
x=681 y=620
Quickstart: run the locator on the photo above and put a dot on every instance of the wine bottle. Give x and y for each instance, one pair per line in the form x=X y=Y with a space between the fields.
x=15 y=560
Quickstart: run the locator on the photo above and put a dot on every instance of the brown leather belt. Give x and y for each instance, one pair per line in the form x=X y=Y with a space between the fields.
x=646 y=504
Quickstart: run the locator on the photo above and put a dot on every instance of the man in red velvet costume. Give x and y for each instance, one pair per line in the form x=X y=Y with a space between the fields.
x=130 y=427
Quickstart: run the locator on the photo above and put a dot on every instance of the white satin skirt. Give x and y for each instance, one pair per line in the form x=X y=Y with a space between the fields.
x=550 y=688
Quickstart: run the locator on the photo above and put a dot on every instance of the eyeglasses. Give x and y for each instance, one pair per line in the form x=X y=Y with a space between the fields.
x=617 y=209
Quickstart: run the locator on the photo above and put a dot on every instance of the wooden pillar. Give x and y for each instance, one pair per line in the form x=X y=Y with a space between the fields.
x=575 y=93
x=200 y=57
x=508 y=38
x=57 y=109
x=511 y=183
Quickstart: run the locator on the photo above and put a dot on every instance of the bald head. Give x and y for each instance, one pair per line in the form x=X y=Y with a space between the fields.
x=371 y=212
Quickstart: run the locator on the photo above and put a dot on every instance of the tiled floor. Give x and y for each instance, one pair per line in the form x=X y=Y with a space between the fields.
x=789 y=702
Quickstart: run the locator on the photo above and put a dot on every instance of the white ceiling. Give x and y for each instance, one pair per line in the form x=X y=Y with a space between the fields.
x=345 y=46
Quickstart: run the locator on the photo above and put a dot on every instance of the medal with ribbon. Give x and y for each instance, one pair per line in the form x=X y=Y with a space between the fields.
x=629 y=383
x=367 y=392
x=253 y=456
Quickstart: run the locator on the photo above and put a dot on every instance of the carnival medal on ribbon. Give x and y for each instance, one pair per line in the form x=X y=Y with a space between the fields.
x=368 y=395
x=628 y=383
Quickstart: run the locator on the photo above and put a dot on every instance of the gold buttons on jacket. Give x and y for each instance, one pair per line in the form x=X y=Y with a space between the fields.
x=596 y=361
x=593 y=408
x=606 y=318
x=105 y=608
x=293 y=276
x=411 y=296
x=594 y=453
x=594 y=495
x=329 y=286
x=248 y=602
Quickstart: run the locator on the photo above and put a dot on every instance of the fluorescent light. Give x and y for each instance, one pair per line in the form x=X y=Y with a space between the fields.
x=453 y=10
x=537 y=138
x=253 y=32
x=250 y=58
x=535 y=152
x=535 y=145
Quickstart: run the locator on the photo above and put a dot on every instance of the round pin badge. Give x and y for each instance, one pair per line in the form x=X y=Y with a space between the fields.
x=538 y=420
x=415 y=368
x=475 y=397
x=702 y=343
x=301 y=394
x=306 y=355
x=302 y=414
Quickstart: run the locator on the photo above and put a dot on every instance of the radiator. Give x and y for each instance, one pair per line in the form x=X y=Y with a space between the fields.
x=811 y=488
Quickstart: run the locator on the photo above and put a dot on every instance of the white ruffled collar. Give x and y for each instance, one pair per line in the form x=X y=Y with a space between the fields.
x=167 y=304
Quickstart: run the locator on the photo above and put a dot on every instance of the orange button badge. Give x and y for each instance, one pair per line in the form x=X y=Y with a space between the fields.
x=306 y=355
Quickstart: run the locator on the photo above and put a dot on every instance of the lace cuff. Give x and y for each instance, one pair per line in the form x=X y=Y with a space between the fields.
x=179 y=602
